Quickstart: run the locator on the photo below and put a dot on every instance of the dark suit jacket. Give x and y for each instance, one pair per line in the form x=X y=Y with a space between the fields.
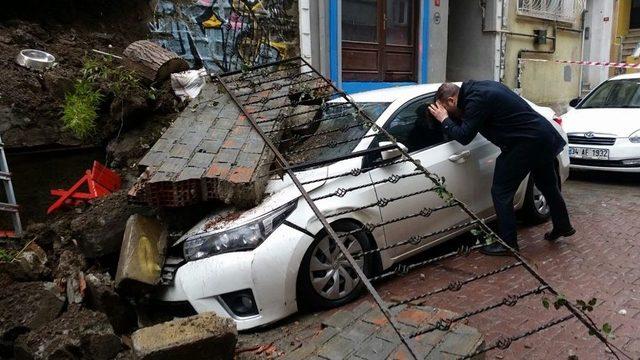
x=501 y=116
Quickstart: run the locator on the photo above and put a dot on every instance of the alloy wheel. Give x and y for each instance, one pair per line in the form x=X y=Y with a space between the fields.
x=540 y=202
x=331 y=274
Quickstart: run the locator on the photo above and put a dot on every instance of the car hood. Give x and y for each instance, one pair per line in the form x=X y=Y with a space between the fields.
x=277 y=193
x=618 y=122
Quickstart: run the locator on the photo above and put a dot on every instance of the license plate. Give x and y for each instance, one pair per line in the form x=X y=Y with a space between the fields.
x=589 y=153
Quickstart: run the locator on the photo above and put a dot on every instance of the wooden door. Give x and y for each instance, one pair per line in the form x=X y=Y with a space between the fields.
x=379 y=40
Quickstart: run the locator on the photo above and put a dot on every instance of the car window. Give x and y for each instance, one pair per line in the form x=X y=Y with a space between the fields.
x=413 y=128
x=614 y=94
x=341 y=129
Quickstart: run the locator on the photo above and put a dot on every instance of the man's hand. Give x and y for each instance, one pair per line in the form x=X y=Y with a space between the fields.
x=438 y=111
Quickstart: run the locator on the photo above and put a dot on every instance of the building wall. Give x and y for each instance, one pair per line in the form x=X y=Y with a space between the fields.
x=471 y=51
x=600 y=23
x=545 y=83
x=438 y=32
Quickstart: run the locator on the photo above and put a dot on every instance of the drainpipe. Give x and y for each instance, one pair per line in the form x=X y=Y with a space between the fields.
x=483 y=8
x=580 y=31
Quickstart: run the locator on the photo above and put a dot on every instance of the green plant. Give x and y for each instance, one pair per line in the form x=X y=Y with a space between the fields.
x=79 y=111
x=80 y=108
x=6 y=255
x=117 y=79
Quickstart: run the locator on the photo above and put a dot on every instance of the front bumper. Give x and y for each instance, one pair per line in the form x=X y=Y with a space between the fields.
x=269 y=271
x=622 y=150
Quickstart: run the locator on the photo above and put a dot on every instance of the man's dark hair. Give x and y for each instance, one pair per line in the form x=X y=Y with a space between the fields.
x=447 y=90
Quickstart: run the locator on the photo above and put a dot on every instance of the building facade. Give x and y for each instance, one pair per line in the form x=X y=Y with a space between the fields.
x=626 y=42
x=370 y=44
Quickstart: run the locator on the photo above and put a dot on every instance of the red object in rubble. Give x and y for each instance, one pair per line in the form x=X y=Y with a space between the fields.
x=100 y=181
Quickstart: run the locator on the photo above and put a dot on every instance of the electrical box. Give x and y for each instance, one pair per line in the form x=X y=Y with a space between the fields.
x=541 y=37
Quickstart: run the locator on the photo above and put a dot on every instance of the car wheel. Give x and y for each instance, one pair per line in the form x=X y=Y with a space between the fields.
x=535 y=208
x=326 y=279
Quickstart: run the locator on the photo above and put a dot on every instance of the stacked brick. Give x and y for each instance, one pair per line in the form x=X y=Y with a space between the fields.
x=210 y=152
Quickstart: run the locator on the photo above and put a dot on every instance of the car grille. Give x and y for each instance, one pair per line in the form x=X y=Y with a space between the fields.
x=595 y=140
x=602 y=163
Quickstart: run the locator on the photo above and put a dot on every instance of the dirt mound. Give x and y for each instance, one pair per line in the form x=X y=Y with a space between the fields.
x=77 y=334
x=25 y=307
x=31 y=102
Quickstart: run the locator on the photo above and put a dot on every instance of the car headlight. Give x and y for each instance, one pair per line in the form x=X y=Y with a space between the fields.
x=245 y=237
x=635 y=137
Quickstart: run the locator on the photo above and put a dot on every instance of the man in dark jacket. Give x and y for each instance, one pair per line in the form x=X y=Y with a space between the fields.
x=529 y=144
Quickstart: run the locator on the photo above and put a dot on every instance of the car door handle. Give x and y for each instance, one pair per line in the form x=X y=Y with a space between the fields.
x=460 y=157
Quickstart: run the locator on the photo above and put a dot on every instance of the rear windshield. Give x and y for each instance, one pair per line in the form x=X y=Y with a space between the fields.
x=614 y=94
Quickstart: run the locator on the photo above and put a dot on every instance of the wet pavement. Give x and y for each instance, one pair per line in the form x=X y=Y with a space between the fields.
x=602 y=260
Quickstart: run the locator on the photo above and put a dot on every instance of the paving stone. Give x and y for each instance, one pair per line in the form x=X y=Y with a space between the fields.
x=340 y=319
x=414 y=317
x=248 y=160
x=227 y=156
x=376 y=349
x=337 y=348
x=210 y=146
x=190 y=173
x=459 y=343
x=360 y=331
x=173 y=165
x=201 y=160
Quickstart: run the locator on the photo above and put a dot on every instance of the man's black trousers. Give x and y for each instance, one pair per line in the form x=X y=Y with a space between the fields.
x=512 y=166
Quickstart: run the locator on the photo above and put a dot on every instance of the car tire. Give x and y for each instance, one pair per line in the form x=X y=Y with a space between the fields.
x=535 y=209
x=317 y=288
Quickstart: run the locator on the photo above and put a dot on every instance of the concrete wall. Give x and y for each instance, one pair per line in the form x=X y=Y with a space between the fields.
x=471 y=52
x=600 y=22
x=438 y=29
x=545 y=83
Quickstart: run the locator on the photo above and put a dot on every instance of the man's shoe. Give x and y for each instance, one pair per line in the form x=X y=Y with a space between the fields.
x=554 y=234
x=495 y=249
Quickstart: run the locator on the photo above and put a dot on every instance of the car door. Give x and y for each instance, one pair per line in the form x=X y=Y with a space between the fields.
x=426 y=143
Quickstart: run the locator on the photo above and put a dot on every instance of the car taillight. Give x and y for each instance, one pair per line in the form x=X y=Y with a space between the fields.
x=558 y=119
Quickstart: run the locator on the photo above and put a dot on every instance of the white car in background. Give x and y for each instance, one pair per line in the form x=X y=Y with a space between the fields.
x=261 y=265
x=604 y=127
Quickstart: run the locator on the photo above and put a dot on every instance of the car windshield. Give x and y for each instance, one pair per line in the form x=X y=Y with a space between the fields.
x=341 y=130
x=614 y=94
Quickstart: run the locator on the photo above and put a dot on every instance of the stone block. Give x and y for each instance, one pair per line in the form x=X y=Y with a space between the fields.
x=203 y=336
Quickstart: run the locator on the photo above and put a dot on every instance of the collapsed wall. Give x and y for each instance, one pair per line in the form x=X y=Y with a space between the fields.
x=210 y=152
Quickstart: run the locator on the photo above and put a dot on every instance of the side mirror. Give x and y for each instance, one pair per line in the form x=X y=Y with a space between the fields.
x=392 y=153
x=574 y=102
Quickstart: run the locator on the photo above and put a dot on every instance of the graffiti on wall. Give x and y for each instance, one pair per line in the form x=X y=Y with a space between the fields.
x=227 y=35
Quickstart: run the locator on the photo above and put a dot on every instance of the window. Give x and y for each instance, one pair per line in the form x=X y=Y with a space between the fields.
x=614 y=94
x=341 y=128
x=413 y=128
x=562 y=10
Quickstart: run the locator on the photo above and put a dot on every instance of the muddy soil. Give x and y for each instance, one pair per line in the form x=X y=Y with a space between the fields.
x=30 y=102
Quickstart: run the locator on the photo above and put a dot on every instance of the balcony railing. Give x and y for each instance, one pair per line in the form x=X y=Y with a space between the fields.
x=561 y=10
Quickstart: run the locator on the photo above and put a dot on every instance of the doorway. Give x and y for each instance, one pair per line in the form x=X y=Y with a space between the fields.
x=379 y=40
x=635 y=15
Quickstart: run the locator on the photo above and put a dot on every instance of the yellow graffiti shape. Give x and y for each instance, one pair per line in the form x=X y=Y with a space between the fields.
x=147 y=258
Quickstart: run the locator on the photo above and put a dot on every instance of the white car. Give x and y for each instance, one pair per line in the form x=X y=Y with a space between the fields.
x=604 y=127
x=261 y=265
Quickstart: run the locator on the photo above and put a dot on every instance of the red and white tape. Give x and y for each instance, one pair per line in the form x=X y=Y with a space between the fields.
x=590 y=63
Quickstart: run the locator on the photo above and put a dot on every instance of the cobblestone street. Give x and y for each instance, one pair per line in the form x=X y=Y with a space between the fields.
x=602 y=260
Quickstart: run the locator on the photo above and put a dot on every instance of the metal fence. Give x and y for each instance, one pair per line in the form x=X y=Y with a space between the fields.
x=561 y=10
x=252 y=91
